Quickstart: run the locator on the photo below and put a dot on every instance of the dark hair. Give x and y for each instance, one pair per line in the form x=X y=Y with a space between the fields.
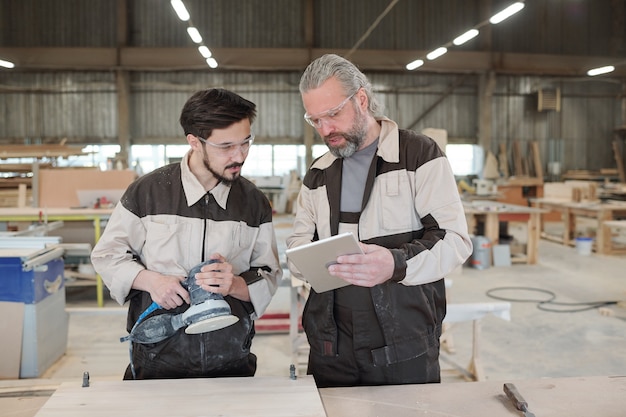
x=215 y=108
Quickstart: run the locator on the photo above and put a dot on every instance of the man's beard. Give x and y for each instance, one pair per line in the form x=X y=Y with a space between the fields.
x=354 y=137
x=220 y=177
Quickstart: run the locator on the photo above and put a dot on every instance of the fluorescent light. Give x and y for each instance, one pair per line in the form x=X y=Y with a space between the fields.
x=180 y=10
x=470 y=34
x=506 y=13
x=415 y=64
x=194 y=34
x=6 y=64
x=204 y=51
x=437 y=53
x=211 y=62
x=601 y=70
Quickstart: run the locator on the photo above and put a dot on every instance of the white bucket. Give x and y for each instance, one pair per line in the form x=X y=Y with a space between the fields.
x=584 y=245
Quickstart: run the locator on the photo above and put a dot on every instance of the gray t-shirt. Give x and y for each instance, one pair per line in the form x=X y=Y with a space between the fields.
x=354 y=176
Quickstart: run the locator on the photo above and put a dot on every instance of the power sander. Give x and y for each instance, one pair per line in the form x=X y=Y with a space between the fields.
x=208 y=311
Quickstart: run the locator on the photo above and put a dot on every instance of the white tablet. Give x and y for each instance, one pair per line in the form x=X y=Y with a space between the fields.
x=313 y=260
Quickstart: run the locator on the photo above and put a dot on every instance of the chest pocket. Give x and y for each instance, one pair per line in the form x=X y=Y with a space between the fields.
x=395 y=196
x=165 y=245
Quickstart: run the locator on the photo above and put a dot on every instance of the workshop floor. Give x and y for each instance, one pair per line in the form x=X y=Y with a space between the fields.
x=578 y=341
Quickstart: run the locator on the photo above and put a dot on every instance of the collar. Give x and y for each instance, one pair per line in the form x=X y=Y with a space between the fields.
x=194 y=191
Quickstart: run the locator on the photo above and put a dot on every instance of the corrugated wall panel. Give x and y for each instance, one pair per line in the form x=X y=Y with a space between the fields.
x=409 y=25
x=277 y=98
x=81 y=105
x=570 y=27
x=227 y=24
x=73 y=105
x=159 y=97
x=578 y=137
x=154 y=23
x=78 y=23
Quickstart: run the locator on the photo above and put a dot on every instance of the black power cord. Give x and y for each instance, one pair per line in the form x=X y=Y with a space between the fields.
x=548 y=301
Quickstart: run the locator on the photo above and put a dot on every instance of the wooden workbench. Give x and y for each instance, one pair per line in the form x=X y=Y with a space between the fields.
x=491 y=213
x=281 y=396
x=559 y=397
x=570 y=211
x=608 y=226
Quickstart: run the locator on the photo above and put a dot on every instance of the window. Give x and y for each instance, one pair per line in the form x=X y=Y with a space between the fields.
x=465 y=159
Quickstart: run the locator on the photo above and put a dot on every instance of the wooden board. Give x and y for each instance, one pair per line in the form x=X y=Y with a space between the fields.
x=39 y=151
x=517 y=160
x=553 y=397
x=58 y=187
x=224 y=397
x=11 y=327
x=618 y=160
x=536 y=159
x=503 y=160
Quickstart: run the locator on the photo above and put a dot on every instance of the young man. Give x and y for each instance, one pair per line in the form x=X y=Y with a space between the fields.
x=184 y=214
x=394 y=189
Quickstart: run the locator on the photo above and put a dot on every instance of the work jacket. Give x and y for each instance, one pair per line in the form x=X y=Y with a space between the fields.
x=167 y=222
x=411 y=206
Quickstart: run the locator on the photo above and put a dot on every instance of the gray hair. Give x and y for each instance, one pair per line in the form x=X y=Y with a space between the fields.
x=348 y=75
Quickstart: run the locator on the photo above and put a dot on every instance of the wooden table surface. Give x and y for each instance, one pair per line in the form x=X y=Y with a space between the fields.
x=562 y=397
x=603 y=396
x=598 y=211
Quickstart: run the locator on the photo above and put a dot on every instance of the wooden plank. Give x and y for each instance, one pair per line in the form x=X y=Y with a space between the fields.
x=23 y=168
x=517 y=159
x=231 y=397
x=534 y=149
x=554 y=397
x=618 y=160
x=11 y=329
x=21 y=195
x=39 y=151
x=503 y=161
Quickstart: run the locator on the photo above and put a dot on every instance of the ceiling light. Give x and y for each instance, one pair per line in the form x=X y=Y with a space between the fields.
x=506 y=13
x=194 y=34
x=204 y=51
x=180 y=10
x=6 y=64
x=415 y=64
x=437 y=53
x=470 y=34
x=601 y=70
x=211 y=62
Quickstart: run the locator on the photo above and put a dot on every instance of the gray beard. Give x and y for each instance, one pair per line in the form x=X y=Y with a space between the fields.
x=346 y=151
x=354 y=138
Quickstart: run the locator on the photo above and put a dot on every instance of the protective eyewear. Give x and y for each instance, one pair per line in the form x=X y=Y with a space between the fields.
x=317 y=120
x=229 y=147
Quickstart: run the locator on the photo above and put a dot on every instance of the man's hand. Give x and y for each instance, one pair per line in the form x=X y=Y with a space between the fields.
x=218 y=278
x=165 y=290
x=372 y=268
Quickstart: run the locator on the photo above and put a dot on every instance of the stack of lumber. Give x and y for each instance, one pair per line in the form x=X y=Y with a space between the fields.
x=39 y=151
x=575 y=191
x=20 y=195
